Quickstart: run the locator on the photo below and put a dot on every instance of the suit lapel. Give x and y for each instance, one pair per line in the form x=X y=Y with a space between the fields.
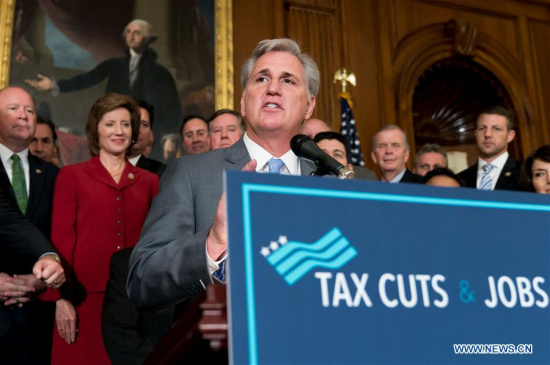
x=470 y=178
x=130 y=175
x=95 y=169
x=506 y=177
x=37 y=176
x=306 y=167
x=144 y=163
x=12 y=193
x=236 y=156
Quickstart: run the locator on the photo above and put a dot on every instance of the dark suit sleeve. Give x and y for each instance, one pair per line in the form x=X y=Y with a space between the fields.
x=39 y=211
x=123 y=337
x=18 y=236
x=86 y=80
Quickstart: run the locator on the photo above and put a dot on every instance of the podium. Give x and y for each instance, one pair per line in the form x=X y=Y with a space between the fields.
x=200 y=335
x=323 y=271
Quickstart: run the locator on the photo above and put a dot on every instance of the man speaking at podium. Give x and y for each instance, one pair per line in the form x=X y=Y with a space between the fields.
x=183 y=243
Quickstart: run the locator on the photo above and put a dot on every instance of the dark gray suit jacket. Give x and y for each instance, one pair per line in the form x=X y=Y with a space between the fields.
x=169 y=263
x=363 y=173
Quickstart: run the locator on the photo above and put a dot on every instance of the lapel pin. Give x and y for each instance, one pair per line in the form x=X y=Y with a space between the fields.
x=38 y=171
x=507 y=174
x=131 y=176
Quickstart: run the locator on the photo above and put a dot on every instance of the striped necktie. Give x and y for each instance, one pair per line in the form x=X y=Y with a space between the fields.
x=18 y=182
x=486 y=180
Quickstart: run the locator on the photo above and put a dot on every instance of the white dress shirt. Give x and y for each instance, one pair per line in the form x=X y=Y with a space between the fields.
x=258 y=153
x=134 y=160
x=498 y=164
x=397 y=178
x=133 y=66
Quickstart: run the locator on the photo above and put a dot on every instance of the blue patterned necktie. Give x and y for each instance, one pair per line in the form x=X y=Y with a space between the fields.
x=220 y=273
x=486 y=182
x=275 y=165
x=18 y=182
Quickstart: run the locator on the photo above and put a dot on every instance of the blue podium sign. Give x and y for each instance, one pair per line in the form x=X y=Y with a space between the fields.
x=323 y=271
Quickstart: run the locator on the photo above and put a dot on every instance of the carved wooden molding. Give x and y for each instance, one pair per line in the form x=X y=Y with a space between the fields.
x=464 y=36
x=323 y=6
x=314 y=24
x=429 y=44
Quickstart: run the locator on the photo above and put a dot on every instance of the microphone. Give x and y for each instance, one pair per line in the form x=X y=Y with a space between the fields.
x=306 y=148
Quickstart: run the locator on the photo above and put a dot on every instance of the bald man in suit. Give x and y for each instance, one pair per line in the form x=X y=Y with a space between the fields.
x=24 y=250
x=32 y=183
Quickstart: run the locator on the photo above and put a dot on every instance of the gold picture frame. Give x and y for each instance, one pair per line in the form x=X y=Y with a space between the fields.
x=224 y=89
x=7 y=8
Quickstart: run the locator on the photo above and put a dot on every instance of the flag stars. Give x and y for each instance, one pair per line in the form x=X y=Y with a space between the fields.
x=283 y=240
x=273 y=245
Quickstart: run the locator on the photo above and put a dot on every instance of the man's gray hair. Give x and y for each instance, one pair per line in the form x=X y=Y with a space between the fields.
x=390 y=127
x=431 y=147
x=148 y=32
x=237 y=115
x=311 y=71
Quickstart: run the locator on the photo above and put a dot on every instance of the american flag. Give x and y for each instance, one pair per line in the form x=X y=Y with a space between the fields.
x=349 y=130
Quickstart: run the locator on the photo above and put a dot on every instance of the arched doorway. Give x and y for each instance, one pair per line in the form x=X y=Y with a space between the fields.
x=447 y=99
x=443 y=52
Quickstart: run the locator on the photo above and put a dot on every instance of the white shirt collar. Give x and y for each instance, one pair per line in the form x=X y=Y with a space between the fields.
x=6 y=154
x=259 y=154
x=397 y=178
x=134 y=54
x=134 y=160
x=494 y=174
x=498 y=162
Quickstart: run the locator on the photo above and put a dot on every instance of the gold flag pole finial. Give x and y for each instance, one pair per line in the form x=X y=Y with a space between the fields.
x=344 y=76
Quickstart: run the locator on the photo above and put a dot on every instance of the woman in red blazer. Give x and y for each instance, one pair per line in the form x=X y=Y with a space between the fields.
x=99 y=208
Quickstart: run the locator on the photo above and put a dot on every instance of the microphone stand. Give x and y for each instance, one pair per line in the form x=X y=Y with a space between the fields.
x=343 y=174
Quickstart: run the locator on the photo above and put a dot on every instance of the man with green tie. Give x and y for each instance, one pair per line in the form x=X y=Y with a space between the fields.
x=32 y=183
